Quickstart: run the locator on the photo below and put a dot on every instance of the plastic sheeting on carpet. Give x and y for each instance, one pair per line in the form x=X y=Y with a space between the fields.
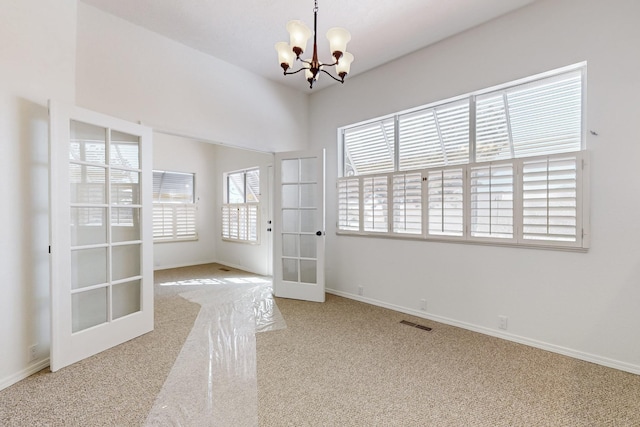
x=213 y=381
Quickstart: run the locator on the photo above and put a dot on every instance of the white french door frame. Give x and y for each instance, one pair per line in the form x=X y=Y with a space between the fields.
x=68 y=347
x=293 y=221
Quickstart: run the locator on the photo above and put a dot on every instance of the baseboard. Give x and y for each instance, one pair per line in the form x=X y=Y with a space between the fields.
x=241 y=267
x=587 y=357
x=28 y=371
x=188 y=264
x=226 y=264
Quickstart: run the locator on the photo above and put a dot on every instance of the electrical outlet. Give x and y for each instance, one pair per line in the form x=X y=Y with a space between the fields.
x=360 y=290
x=423 y=304
x=33 y=353
x=502 y=322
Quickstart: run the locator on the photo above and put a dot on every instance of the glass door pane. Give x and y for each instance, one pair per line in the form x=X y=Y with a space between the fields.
x=298 y=203
x=299 y=226
x=89 y=309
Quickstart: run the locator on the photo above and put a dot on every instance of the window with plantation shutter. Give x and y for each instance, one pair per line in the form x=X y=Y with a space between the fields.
x=349 y=204
x=445 y=200
x=240 y=212
x=163 y=221
x=174 y=208
x=491 y=199
x=407 y=203
x=369 y=148
x=550 y=199
x=505 y=165
x=540 y=117
x=375 y=193
x=240 y=222
x=434 y=137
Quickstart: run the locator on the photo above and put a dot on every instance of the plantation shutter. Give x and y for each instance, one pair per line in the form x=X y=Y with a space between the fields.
x=540 y=117
x=162 y=221
x=550 y=199
x=376 y=203
x=240 y=222
x=174 y=210
x=226 y=221
x=349 y=204
x=240 y=213
x=445 y=198
x=407 y=203
x=493 y=136
x=185 y=220
x=491 y=188
x=434 y=137
x=369 y=148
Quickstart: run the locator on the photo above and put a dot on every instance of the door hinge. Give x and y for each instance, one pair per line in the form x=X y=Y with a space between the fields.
x=49 y=248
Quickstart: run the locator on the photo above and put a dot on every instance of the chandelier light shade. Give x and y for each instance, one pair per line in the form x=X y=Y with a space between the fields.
x=299 y=35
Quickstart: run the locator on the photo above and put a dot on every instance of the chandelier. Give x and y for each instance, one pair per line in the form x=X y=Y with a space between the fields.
x=299 y=34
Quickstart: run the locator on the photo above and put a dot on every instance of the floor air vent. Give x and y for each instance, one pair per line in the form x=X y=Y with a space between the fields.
x=415 y=325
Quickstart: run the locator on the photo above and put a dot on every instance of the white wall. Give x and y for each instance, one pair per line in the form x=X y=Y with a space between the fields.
x=199 y=158
x=209 y=162
x=36 y=64
x=583 y=304
x=135 y=74
x=255 y=258
x=132 y=73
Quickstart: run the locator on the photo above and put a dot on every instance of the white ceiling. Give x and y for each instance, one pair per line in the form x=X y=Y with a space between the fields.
x=244 y=32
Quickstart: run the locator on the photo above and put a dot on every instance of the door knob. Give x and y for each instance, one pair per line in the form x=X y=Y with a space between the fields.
x=318 y=233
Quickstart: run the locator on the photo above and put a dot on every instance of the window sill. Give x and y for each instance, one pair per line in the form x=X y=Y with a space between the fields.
x=463 y=240
x=186 y=239
x=246 y=242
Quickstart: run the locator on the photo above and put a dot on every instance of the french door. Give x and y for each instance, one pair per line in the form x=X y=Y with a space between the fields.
x=100 y=225
x=299 y=226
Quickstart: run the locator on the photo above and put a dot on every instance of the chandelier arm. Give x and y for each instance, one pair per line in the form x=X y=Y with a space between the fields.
x=286 y=73
x=332 y=76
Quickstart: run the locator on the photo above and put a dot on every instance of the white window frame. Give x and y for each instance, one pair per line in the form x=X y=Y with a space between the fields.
x=579 y=196
x=240 y=222
x=180 y=215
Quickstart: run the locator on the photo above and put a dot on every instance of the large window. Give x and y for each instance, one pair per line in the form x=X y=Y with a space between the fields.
x=503 y=165
x=240 y=211
x=174 y=207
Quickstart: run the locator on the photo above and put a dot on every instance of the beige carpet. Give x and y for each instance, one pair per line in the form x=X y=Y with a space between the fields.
x=341 y=363
x=115 y=388
x=344 y=363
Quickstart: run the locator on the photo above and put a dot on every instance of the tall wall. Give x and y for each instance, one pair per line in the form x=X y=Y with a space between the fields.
x=582 y=304
x=132 y=73
x=37 y=55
